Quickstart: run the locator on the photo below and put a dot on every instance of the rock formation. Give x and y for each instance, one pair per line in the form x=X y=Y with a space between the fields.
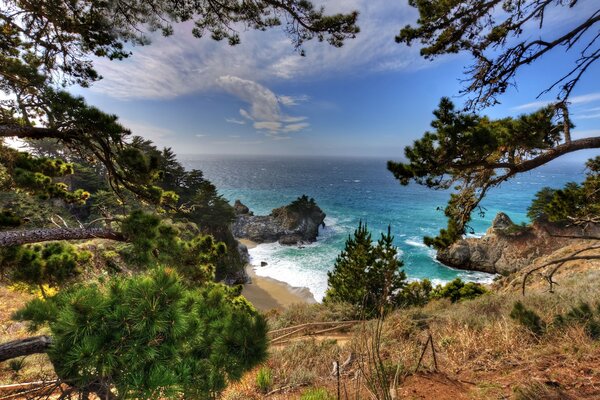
x=295 y=223
x=506 y=247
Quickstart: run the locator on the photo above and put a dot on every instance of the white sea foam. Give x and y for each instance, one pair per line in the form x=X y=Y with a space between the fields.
x=290 y=270
x=414 y=242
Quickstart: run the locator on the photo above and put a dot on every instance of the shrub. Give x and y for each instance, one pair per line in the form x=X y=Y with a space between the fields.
x=528 y=318
x=457 y=290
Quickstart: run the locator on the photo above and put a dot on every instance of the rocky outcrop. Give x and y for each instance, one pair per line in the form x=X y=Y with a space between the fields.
x=240 y=208
x=506 y=247
x=295 y=223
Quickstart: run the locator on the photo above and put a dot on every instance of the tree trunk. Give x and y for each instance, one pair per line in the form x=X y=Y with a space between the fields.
x=14 y=238
x=24 y=347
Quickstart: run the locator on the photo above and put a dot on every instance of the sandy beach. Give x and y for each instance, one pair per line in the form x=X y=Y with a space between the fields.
x=267 y=293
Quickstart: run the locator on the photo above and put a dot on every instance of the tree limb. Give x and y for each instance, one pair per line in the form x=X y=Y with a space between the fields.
x=24 y=347
x=20 y=237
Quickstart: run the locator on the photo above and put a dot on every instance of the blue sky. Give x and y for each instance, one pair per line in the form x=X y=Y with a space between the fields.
x=372 y=97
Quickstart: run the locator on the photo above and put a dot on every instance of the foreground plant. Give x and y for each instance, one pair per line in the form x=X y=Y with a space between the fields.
x=150 y=336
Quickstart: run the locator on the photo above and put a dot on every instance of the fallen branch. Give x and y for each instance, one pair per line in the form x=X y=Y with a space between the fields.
x=24 y=347
x=20 y=237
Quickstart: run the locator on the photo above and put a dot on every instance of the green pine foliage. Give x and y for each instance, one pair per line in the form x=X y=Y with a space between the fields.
x=572 y=202
x=52 y=264
x=367 y=275
x=417 y=293
x=303 y=205
x=40 y=176
x=154 y=241
x=151 y=336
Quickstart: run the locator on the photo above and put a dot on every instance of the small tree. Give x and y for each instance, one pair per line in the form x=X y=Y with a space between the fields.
x=150 y=336
x=367 y=275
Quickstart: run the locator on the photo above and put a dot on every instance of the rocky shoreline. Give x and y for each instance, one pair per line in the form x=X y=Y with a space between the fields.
x=292 y=224
x=506 y=247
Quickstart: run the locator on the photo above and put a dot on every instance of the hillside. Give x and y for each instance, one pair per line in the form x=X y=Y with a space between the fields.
x=481 y=352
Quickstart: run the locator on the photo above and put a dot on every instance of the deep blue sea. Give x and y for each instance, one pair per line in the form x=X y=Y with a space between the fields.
x=353 y=189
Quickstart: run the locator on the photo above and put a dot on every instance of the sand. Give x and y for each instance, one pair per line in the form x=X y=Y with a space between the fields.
x=267 y=293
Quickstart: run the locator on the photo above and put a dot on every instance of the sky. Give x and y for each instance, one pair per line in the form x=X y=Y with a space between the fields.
x=371 y=98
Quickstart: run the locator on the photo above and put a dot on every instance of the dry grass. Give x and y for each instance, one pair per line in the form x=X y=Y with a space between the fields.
x=33 y=368
x=481 y=352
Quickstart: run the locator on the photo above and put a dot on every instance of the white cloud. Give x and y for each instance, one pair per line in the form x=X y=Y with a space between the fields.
x=235 y=121
x=265 y=111
x=575 y=100
x=292 y=100
x=585 y=98
x=295 y=127
x=201 y=136
x=181 y=64
x=588 y=116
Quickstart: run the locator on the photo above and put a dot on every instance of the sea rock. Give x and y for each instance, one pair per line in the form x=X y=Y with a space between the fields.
x=263 y=264
x=240 y=208
x=506 y=247
x=295 y=223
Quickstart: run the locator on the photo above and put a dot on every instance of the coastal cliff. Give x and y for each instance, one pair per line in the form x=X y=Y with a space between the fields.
x=507 y=247
x=295 y=223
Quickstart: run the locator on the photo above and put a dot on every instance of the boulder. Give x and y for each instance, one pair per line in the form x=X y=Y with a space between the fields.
x=240 y=208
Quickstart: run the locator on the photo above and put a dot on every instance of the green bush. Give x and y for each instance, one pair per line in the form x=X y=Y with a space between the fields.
x=457 y=290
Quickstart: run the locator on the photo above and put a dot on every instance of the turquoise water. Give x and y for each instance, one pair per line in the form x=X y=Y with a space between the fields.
x=353 y=189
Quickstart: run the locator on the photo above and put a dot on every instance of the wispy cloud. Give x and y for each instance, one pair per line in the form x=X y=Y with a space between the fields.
x=292 y=100
x=235 y=121
x=588 y=116
x=575 y=100
x=180 y=65
x=265 y=112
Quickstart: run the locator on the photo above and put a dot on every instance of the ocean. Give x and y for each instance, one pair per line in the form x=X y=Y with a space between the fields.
x=352 y=189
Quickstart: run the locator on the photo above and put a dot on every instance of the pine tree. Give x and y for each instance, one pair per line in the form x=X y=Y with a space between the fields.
x=150 y=336
x=366 y=275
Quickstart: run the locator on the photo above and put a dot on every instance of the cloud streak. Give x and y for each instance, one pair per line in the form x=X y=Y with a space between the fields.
x=575 y=100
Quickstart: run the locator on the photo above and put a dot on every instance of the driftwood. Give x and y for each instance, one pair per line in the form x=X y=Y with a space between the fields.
x=24 y=347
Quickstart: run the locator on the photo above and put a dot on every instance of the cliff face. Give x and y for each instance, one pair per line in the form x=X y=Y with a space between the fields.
x=506 y=247
x=286 y=225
